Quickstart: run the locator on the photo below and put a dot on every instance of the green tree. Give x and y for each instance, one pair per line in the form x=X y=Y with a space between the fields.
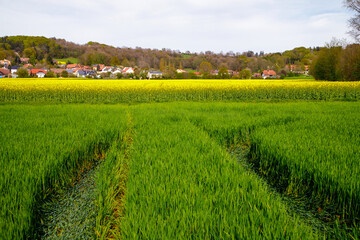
x=2 y=55
x=245 y=74
x=163 y=65
x=30 y=52
x=119 y=75
x=349 y=63
x=325 y=67
x=205 y=67
x=22 y=73
x=17 y=60
x=50 y=74
x=114 y=61
x=223 y=73
x=180 y=65
x=243 y=62
x=125 y=63
x=33 y=60
x=49 y=60
x=64 y=74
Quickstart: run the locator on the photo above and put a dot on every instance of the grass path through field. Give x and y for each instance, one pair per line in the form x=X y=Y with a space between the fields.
x=72 y=213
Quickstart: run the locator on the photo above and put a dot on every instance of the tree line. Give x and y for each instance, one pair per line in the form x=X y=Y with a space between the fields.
x=42 y=50
x=333 y=62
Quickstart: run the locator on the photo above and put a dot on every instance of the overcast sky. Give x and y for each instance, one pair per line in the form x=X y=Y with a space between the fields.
x=194 y=25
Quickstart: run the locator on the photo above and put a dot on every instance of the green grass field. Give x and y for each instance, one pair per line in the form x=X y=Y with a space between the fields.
x=166 y=172
x=66 y=60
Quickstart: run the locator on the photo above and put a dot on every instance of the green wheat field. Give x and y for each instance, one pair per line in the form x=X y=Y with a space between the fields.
x=199 y=163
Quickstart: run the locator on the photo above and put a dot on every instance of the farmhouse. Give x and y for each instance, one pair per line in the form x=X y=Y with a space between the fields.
x=40 y=73
x=269 y=74
x=154 y=74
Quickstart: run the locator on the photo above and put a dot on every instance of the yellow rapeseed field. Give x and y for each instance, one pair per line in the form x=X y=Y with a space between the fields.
x=127 y=91
x=146 y=85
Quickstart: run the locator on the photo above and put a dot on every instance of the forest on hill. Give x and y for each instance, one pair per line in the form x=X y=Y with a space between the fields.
x=333 y=62
x=41 y=49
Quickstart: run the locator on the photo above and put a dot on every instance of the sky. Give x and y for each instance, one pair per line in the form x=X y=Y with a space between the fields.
x=185 y=25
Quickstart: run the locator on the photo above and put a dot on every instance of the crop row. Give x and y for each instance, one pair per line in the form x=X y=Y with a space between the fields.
x=183 y=185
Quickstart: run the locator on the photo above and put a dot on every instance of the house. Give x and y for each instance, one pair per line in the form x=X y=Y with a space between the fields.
x=214 y=72
x=14 y=69
x=268 y=74
x=299 y=69
x=181 y=71
x=5 y=63
x=256 y=75
x=101 y=67
x=4 y=72
x=86 y=68
x=96 y=67
x=28 y=65
x=70 y=71
x=233 y=73
x=117 y=70
x=154 y=74
x=107 y=69
x=82 y=73
x=72 y=66
x=57 y=70
x=40 y=73
x=128 y=70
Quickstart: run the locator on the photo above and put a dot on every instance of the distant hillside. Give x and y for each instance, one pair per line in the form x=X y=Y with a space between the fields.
x=43 y=50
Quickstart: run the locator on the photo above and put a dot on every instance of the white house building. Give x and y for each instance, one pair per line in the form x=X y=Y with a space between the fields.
x=128 y=70
x=154 y=74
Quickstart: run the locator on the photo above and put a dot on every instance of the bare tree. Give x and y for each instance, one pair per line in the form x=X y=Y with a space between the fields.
x=354 y=22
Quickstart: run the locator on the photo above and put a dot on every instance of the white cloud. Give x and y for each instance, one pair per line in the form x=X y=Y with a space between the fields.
x=237 y=25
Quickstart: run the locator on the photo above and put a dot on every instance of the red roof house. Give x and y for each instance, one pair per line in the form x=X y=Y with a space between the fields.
x=4 y=72
x=72 y=66
x=40 y=73
x=268 y=73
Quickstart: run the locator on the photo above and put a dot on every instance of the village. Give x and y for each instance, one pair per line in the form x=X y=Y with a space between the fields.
x=101 y=71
